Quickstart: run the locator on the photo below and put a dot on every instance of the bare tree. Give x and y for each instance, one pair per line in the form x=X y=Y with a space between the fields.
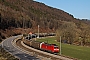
x=85 y=35
x=67 y=31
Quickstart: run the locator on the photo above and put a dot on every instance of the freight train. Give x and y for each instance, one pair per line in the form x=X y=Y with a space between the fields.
x=53 y=48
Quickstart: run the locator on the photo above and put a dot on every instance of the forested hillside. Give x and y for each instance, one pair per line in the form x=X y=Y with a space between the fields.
x=15 y=12
x=16 y=15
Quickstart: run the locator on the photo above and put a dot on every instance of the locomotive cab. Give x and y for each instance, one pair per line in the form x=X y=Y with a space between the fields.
x=56 y=49
x=49 y=47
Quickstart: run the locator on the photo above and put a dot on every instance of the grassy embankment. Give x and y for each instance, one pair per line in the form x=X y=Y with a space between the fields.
x=80 y=52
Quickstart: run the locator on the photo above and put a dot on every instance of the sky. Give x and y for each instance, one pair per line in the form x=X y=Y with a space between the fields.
x=78 y=8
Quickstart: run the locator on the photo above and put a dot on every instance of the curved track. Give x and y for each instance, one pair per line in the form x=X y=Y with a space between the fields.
x=39 y=53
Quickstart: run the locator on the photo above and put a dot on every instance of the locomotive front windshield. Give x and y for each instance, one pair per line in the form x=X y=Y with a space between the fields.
x=56 y=47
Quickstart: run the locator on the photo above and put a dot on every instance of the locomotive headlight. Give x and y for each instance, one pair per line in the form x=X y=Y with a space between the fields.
x=56 y=49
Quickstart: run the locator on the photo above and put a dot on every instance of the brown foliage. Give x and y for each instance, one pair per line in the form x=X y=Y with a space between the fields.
x=14 y=12
x=29 y=14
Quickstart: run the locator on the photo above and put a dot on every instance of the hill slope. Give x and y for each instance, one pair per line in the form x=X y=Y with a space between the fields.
x=14 y=12
x=30 y=14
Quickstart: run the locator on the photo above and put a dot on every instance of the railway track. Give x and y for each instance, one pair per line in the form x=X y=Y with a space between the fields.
x=40 y=54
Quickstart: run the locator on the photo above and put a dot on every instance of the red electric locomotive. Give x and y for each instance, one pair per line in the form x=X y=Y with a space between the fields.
x=53 y=48
x=49 y=47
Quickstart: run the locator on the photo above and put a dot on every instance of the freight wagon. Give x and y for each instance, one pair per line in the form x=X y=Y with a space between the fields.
x=35 y=44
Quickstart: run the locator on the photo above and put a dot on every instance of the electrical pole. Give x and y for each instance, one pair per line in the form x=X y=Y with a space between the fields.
x=28 y=36
x=2 y=45
x=35 y=37
x=38 y=31
x=60 y=45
